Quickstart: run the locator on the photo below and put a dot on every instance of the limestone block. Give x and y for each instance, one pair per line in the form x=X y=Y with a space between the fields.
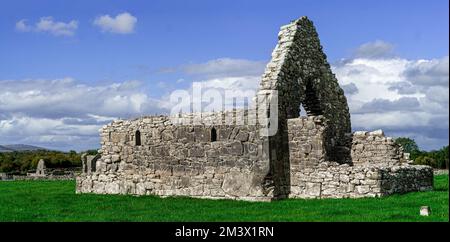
x=242 y=136
x=362 y=189
x=235 y=148
x=197 y=151
x=167 y=135
x=115 y=158
x=313 y=189
x=378 y=132
x=112 y=188
x=360 y=133
x=237 y=183
x=201 y=134
x=251 y=149
x=118 y=137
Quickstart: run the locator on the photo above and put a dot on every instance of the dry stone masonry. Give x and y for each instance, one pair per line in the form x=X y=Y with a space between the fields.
x=218 y=157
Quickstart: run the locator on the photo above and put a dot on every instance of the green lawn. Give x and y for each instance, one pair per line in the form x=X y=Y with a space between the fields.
x=57 y=201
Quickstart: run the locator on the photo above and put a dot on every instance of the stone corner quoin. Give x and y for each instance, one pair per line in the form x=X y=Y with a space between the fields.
x=308 y=157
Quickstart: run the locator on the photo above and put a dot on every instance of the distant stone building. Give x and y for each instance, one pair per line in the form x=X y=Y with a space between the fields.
x=40 y=169
x=40 y=173
x=212 y=155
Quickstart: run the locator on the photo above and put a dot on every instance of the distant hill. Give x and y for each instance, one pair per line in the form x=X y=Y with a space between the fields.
x=19 y=147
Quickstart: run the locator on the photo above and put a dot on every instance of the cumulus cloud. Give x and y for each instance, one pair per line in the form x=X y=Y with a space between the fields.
x=21 y=26
x=47 y=24
x=61 y=97
x=374 y=50
x=123 y=23
x=225 y=67
x=384 y=105
x=224 y=93
x=221 y=84
x=437 y=95
x=37 y=109
x=428 y=72
x=350 y=89
x=403 y=87
x=403 y=97
x=67 y=114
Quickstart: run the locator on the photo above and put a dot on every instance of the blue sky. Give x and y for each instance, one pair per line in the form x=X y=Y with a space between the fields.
x=170 y=33
x=170 y=40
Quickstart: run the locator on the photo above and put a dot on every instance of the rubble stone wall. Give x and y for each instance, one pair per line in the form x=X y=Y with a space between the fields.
x=306 y=142
x=180 y=160
x=334 y=180
x=374 y=147
x=379 y=167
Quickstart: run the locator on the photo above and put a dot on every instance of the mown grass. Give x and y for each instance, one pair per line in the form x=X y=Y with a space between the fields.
x=57 y=201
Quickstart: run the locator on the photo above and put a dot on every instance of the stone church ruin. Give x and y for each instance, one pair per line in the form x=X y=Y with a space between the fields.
x=216 y=157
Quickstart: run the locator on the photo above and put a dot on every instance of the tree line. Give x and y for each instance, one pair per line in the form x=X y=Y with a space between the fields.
x=20 y=162
x=436 y=158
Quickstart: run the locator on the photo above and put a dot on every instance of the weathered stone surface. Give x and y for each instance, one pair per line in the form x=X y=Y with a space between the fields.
x=374 y=147
x=237 y=184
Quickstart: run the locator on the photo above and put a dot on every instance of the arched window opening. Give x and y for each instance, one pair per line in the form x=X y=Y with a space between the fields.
x=138 y=138
x=311 y=103
x=213 y=135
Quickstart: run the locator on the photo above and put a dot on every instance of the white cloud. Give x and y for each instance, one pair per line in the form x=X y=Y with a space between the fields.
x=238 y=78
x=38 y=110
x=47 y=24
x=428 y=73
x=225 y=67
x=21 y=26
x=403 y=97
x=380 y=105
x=350 y=89
x=390 y=120
x=49 y=133
x=226 y=93
x=123 y=23
x=374 y=50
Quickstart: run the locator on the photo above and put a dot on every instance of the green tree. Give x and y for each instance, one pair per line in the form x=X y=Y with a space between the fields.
x=409 y=146
x=23 y=161
x=425 y=160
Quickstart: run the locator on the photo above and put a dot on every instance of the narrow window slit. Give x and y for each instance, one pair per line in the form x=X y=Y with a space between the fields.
x=138 y=138
x=213 y=135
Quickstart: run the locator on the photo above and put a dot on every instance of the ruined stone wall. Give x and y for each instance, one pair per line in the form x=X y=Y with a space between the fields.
x=306 y=142
x=218 y=156
x=377 y=170
x=180 y=160
x=374 y=148
x=333 y=180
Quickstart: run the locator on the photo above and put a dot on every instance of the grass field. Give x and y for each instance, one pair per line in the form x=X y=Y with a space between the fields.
x=57 y=201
